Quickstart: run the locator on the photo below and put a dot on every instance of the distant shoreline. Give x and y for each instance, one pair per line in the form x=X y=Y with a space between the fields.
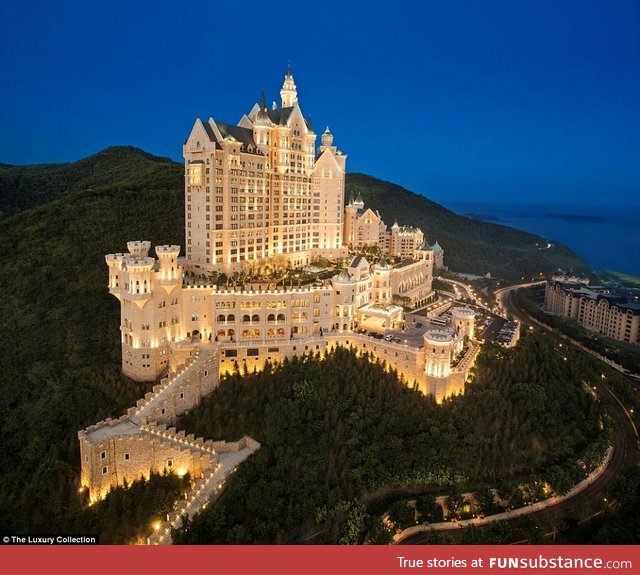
x=575 y=217
x=607 y=237
x=483 y=217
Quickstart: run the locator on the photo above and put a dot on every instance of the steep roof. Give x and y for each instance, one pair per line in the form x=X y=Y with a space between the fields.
x=242 y=135
x=280 y=116
x=436 y=247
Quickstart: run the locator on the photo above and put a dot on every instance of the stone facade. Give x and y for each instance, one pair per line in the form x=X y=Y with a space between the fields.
x=260 y=189
x=363 y=227
x=257 y=194
x=139 y=442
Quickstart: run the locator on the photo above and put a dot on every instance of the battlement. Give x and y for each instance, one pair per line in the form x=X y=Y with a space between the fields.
x=275 y=291
x=178 y=438
x=182 y=390
x=139 y=263
x=167 y=251
x=115 y=260
x=438 y=336
x=139 y=248
x=99 y=432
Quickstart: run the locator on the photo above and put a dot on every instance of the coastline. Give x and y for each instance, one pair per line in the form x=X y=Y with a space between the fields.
x=607 y=238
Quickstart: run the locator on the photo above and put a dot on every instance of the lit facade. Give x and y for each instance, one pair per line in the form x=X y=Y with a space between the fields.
x=256 y=193
x=260 y=189
x=613 y=315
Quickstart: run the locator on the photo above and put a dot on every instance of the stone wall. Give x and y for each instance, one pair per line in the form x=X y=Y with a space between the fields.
x=182 y=390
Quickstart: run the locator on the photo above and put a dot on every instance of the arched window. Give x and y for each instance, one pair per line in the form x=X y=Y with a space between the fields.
x=280 y=317
x=271 y=317
x=221 y=317
x=255 y=317
x=246 y=318
x=231 y=317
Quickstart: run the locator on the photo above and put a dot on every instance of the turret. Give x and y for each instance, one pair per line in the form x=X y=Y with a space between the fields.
x=438 y=347
x=139 y=249
x=115 y=263
x=327 y=138
x=139 y=285
x=464 y=321
x=170 y=272
x=423 y=252
x=289 y=92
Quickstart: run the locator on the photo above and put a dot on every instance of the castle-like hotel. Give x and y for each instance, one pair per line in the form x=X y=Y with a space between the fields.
x=260 y=194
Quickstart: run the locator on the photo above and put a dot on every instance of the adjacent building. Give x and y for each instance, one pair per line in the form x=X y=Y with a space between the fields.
x=610 y=312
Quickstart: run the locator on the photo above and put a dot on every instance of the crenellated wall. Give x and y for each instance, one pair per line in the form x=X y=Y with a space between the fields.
x=123 y=449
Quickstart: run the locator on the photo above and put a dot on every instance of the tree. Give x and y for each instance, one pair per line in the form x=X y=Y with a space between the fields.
x=498 y=533
x=401 y=515
x=455 y=502
x=471 y=535
x=380 y=533
x=429 y=510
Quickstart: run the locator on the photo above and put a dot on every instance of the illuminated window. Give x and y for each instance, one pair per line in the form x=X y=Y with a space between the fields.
x=195 y=175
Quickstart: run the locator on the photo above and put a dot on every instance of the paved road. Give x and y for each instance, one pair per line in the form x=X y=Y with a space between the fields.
x=593 y=496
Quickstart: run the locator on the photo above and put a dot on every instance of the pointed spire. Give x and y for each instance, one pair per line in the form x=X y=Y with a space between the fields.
x=309 y=123
x=288 y=93
x=263 y=103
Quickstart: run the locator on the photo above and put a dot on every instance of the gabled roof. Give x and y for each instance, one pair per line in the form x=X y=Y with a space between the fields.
x=280 y=116
x=242 y=135
x=343 y=277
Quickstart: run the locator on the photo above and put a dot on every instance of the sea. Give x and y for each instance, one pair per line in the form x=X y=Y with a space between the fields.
x=606 y=237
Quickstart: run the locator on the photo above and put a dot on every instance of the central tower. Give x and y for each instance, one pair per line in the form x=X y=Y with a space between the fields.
x=257 y=194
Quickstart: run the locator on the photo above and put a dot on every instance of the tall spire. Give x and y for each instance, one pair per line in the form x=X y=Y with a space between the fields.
x=262 y=118
x=289 y=92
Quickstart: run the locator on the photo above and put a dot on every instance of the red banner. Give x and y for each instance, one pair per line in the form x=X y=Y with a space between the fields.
x=301 y=560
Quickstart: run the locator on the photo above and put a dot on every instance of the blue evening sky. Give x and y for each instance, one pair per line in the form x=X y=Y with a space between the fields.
x=500 y=101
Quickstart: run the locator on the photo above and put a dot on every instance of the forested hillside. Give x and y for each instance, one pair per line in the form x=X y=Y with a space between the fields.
x=60 y=351
x=334 y=430
x=125 y=168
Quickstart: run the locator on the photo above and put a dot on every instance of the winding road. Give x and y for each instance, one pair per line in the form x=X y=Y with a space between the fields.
x=593 y=498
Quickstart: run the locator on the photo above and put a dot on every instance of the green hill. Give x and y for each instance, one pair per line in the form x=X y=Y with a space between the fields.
x=470 y=245
x=24 y=187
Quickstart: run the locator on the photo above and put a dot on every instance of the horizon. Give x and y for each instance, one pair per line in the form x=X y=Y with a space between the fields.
x=506 y=100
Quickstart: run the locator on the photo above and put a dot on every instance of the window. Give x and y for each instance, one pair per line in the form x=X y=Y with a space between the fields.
x=169 y=462
x=103 y=455
x=105 y=469
x=126 y=457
